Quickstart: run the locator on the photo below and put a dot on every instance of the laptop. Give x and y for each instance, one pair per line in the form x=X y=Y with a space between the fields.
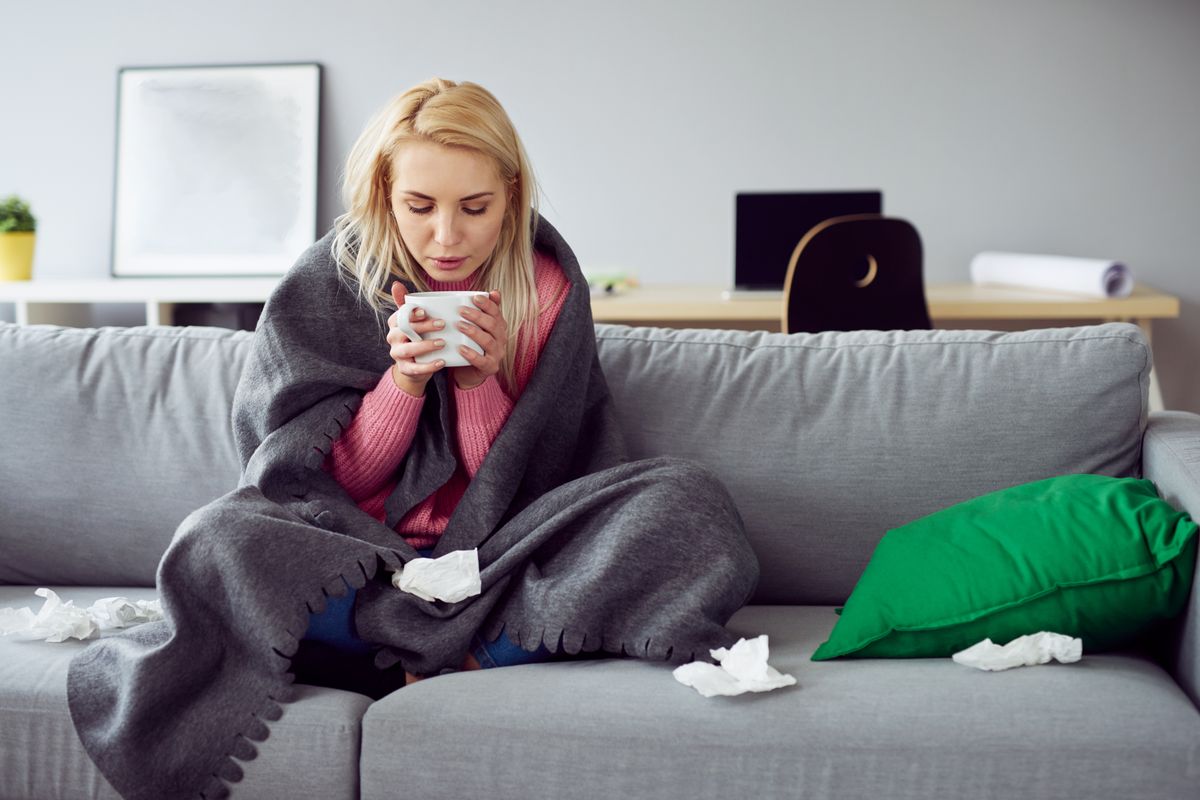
x=769 y=225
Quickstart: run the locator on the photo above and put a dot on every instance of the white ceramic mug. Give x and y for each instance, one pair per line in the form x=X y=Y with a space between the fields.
x=444 y=306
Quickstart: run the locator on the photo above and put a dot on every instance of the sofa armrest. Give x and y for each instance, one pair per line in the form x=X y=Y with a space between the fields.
x=1171 y=459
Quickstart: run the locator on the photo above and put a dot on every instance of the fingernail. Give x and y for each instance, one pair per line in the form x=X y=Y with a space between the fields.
x=440 y=342
x=439 y=324
x=418 y=313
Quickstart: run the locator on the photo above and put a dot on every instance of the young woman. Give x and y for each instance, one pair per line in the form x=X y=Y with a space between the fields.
x=357 y=459
x=439 y=189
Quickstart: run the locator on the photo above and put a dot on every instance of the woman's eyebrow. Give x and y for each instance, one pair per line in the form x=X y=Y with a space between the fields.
x=463 y=200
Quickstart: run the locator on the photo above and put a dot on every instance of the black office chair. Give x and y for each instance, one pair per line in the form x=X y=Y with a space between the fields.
x=858 y=272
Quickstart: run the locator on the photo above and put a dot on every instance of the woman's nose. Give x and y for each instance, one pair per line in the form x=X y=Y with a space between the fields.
x=445 y=232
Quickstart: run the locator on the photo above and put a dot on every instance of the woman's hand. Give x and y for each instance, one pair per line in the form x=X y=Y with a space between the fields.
x=410 y=376
x=484 y=324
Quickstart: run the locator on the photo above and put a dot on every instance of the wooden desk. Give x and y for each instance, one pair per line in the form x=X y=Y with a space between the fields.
x=950 y=305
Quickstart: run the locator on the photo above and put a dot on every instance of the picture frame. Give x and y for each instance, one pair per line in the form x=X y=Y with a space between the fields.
x=216 y=169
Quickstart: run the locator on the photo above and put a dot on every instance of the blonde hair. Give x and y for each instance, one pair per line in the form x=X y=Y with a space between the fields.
x=367 y=242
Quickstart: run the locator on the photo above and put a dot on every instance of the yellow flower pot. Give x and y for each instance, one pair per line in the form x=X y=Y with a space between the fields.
x=16 y=255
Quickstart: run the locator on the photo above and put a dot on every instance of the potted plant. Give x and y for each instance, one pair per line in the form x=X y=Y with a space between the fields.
x=17 y=227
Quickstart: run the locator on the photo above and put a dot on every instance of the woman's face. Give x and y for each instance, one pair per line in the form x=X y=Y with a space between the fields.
x=449 y=205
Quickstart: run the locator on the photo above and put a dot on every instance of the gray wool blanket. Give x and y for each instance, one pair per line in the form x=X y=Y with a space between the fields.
x=580 y=549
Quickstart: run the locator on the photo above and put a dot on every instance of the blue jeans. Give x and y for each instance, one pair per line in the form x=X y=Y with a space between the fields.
x=335 y=627
x=504 y=652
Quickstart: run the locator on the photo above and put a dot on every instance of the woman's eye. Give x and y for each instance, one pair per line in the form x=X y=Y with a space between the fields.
x=475 y=212
x=424 y=210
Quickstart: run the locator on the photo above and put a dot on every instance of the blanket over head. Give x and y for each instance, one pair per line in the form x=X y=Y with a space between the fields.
x=579 y=548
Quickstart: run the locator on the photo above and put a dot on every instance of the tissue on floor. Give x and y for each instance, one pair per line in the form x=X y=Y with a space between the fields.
x=743 y=668
x=450 y=578
x=1024 y=651
x=58 y=621
x=1091 y=276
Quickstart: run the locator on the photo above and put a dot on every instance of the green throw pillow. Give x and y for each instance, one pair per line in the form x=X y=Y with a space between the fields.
x=1084 y=555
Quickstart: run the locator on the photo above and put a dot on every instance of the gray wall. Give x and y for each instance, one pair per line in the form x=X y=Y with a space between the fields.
x=1059 y=126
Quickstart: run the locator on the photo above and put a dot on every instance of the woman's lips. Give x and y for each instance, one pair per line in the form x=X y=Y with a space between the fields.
x=449 y=263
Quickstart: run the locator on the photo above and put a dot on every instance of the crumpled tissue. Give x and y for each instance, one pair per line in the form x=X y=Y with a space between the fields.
x=743 y=668
x=58 y=621
x=450 y=578
x=1024 y=651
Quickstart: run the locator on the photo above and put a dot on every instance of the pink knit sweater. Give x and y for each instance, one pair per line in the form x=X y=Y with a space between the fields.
x=365 y=457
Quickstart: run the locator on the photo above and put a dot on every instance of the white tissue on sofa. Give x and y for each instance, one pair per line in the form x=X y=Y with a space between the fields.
x=1024 y=651
x=450 y=578
x=58 y=621
x=743 y=668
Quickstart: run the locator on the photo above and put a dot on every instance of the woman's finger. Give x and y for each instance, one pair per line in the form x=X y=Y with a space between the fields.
x=424 y=329
x=484 y=364
x=410 y=350
x=478 y=335
x=398 y=293
x=490 y=305
x=473 y=358
x=422 y=325
x=415 y=369
x=417 y=315
x=401 y=347
x=396 y=336
x=493 y=324
x=495 y=327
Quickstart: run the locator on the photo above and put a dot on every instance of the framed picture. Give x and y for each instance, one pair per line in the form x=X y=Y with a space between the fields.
x=216 y=170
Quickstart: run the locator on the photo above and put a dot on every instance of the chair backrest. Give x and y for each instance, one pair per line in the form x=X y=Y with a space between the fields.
x=857 y=272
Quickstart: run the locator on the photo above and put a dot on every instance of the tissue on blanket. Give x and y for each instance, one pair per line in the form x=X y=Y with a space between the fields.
x=1024 y=651
x=1090 y=276
x=450 y=578
x=743 y=668
x=58 y=621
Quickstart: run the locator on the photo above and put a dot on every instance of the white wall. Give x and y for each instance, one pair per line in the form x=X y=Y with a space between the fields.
x=1058 y=126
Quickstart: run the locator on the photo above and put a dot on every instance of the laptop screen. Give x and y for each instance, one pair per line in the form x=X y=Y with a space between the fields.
x=769 y=225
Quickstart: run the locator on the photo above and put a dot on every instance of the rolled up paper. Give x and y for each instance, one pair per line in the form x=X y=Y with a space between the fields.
x=1091 y=276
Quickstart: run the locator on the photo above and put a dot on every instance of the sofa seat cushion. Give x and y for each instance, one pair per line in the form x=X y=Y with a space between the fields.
x=312 y=751
x=1110 y=726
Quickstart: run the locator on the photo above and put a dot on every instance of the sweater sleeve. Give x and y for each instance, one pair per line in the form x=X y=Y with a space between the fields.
x=365 y=456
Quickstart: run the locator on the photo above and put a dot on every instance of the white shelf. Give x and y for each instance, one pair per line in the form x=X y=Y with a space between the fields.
x=58 y=301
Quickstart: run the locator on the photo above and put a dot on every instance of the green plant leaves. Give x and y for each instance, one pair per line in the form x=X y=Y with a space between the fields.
x=15 y=216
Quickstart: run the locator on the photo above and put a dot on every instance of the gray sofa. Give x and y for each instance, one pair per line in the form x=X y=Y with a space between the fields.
x=112 y=436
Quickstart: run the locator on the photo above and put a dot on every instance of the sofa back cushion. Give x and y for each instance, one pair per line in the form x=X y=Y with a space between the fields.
x=111 y=437
x=828 y=440
x=114 y=435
